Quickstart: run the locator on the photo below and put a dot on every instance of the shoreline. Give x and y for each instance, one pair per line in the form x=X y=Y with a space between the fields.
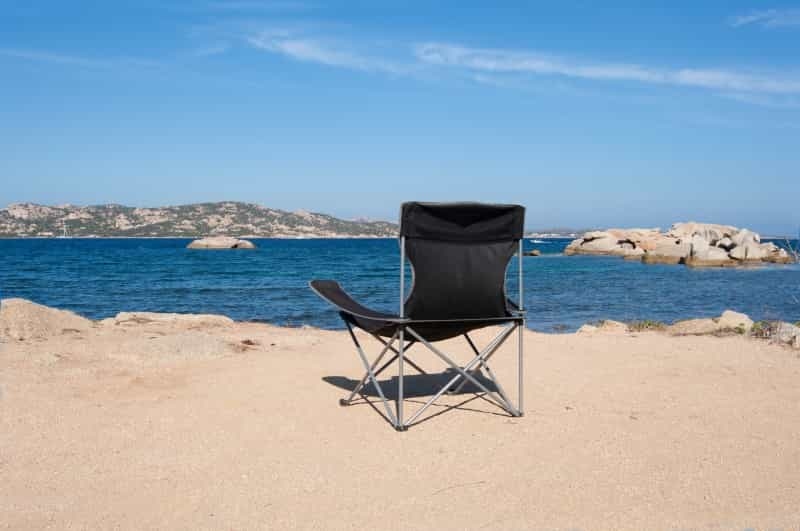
x=636 y=324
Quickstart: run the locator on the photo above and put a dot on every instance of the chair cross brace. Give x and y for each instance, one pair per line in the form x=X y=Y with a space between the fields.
x=465 y=374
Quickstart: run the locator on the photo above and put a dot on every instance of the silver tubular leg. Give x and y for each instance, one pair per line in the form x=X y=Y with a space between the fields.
x=375 y=364
x=386 y=365
x=363 y=381
x=464 y=372
x=480 y=357
x=471 y=344
x=496 y=382
x=483 y=363
x=371 y=375
x=407 y=348
x=416 y=367
x=520 y=353
x=492 y=346
x=400 y=425
x=464 y=382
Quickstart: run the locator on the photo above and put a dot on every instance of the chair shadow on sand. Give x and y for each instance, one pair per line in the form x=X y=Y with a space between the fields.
x=418 y=388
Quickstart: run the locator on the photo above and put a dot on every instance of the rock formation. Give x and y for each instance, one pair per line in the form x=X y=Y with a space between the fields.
x=23 y=320
x=607 y=326
x=728 y=321
x=693 y=244
x=221 y=242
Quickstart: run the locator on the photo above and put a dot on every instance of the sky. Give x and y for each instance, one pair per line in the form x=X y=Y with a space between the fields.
x=592 y=114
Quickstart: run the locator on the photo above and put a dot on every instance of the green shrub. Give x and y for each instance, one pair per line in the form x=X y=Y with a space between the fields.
x=646 y=324
x=761 y=329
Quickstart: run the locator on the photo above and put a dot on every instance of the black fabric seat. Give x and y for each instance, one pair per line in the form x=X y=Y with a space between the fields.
x=386 y=324
x=459 y=254
x=372 y=321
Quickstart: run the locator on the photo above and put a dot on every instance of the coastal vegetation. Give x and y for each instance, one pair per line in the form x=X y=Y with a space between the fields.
x=730 y=323
x=646 y=325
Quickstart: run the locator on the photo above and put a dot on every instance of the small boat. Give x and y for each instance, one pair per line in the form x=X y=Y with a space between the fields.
x=537 y=241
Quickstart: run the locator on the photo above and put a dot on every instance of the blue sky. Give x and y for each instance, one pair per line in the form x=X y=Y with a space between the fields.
x=590 y=113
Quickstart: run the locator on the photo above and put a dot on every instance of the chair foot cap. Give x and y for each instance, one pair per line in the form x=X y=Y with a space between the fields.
x=343 y=402
x=401 y=428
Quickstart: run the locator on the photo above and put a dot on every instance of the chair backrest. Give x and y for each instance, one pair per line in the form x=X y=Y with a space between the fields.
x=459 y=253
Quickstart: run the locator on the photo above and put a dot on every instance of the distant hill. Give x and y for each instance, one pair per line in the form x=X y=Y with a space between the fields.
x=189 y=221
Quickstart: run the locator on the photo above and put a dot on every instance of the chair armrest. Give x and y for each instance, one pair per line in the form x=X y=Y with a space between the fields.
x=331 y=291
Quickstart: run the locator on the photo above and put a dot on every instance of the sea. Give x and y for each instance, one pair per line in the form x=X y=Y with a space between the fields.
x=98 y=278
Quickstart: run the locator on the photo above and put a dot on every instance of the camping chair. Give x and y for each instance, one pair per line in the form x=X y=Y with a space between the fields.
x=459 y=253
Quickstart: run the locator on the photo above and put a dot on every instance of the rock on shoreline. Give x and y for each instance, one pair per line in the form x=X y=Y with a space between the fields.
x=23 y=320
x=692 y=244
x=221 y=242
x=729 y=323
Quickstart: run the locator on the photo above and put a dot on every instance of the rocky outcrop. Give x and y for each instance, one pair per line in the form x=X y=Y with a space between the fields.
x=618 y=242
x=693 y=327
x=221 y=242
x=779 y=332
x=23 y=320
x=667 y=251
x=707 y=231
x=735 y=320
x=708 y=256
x=533 y=252
x=729 y=321
x=788 y=333
x=608 y=327
x=693 y=244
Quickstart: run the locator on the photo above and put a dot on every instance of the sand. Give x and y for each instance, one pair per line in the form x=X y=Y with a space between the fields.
x=201 y=424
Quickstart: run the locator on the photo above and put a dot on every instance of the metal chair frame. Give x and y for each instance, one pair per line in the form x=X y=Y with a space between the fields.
x=477 y=366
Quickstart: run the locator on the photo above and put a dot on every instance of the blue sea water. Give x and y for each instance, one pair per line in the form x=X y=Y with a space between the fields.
x=100 y=277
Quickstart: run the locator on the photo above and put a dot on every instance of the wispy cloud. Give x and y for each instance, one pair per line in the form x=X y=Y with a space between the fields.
x=323 y=52
x=768 y=18
x=515 y=61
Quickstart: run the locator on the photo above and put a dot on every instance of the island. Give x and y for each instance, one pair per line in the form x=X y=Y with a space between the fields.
x=227 y=218
x=690 y=243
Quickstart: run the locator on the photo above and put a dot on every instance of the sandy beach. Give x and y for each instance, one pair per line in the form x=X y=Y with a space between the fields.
x=204 y=424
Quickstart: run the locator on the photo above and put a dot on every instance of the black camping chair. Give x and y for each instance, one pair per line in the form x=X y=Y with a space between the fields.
x=459 y=253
